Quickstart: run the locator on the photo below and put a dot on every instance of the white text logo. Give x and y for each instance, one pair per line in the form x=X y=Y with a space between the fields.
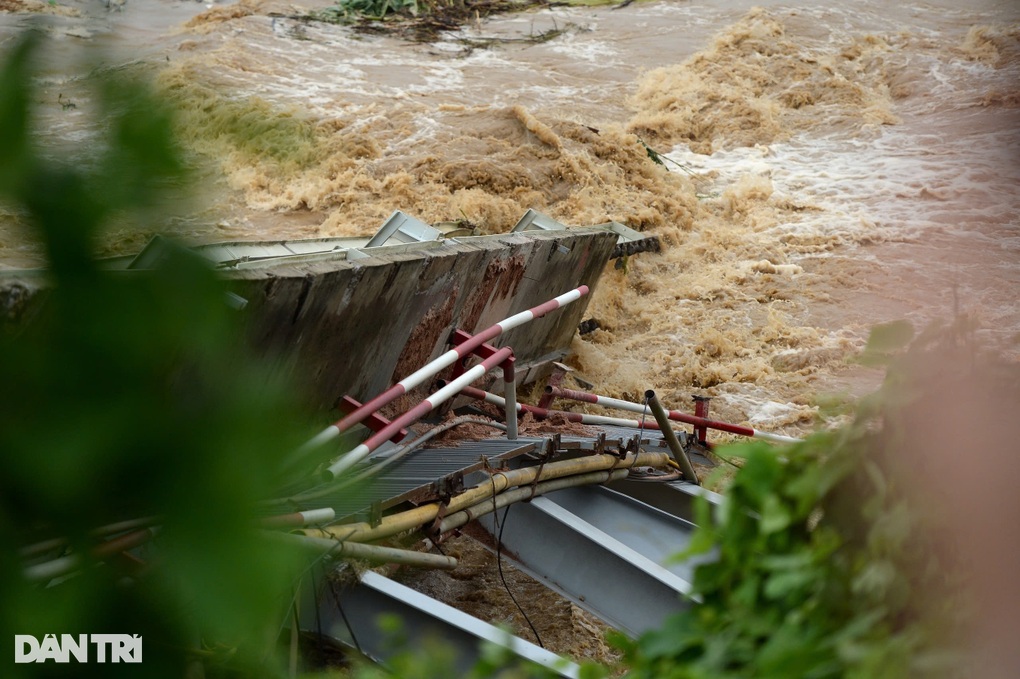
x=82 y=647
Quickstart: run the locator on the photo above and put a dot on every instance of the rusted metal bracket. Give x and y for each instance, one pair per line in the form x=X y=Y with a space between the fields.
x=484 y=351
x=701 y=410
x=375 y=421
x=450 y=485
x=432 y=531
x=375 y=514
x=555 y=380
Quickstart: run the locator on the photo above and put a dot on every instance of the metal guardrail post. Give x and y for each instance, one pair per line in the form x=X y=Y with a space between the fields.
x=667 y=432
x=701 y=410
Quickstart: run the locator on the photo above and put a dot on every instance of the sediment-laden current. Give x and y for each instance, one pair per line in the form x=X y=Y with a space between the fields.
x=824 y=166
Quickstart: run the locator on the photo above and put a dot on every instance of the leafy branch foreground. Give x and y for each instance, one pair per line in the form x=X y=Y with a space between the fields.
x=845 y=556
x=127 y=396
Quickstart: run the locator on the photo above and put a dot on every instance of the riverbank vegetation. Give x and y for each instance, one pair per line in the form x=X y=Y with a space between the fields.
x=833 y=556
x=424 y=20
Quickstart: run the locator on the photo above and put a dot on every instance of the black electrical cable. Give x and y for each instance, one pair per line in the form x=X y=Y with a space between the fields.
x=310 y=568
x=318 y=617
x=499 y=566
x=295 y=633
x=339 y=607
x=641 y=427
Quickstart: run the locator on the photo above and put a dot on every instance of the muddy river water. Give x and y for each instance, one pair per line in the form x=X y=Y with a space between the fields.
x=827 y=165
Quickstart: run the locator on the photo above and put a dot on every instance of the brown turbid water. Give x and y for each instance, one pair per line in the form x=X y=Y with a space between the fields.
x=827 y=165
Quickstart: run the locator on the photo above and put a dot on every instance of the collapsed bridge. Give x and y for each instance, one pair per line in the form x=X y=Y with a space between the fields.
x=405 y=325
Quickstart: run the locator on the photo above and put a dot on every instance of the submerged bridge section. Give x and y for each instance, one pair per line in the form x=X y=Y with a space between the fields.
x=392 y=311
x=354 y=316
x=599 y=546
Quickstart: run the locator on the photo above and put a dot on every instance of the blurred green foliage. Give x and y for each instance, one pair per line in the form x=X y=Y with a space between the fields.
x=838 y=556
x=126 y=395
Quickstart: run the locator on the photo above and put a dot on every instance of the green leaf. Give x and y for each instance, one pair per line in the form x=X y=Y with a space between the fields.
x=759 y=475
x=15 y=147
x=775 y=516
x=781 y=562
x=785 y=583
x=875 y=579
x=704 y=538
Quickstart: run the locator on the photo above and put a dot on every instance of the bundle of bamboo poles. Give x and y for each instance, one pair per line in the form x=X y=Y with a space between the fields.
x=501 y=489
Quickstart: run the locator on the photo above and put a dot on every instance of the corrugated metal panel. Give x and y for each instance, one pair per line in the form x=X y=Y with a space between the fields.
x=534 y=220
x=417 y=477
x=404 y=228
x=421 y=476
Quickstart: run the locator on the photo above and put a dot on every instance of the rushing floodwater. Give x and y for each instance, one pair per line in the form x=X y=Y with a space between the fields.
x=829 y=165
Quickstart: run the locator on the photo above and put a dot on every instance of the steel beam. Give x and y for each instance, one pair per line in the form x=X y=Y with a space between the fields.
x=653 y=533
x=676 y=498
x=618 y=570
x=352 y=617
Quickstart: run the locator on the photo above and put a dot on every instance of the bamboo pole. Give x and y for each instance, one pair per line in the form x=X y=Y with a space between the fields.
x=370 y=553
x=53 y=568
x=299 y=519
x=495 y=484
x=521 y=493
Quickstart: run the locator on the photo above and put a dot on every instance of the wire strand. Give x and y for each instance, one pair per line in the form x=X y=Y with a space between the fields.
x=318 y=616
x=499 y=567
x=340 y=608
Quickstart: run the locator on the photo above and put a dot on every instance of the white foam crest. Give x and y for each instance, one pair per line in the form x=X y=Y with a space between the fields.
x=820 y=174
x=691 y=14
x=532 y=92
x=760 y=411
x=426 y=129
x=900 y=183
x=586 y=48
x=772 y=411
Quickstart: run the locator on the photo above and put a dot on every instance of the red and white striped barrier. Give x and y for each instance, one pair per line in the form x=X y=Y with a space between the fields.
x=434 y=367
x=674 y=415
x=414 y=414
x=542 y=413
